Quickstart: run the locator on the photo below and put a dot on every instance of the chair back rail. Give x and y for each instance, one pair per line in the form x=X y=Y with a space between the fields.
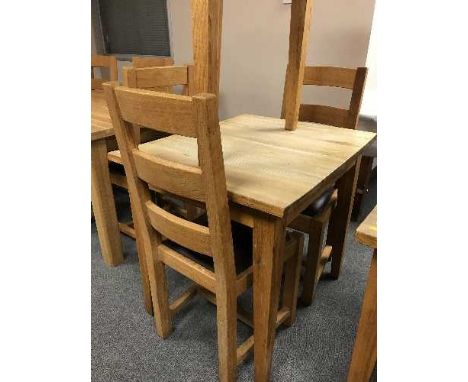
x=346 y=78
x=327 y=115
x=184 y=232
x=172 y=177
x=156 y=78
x=160 y=78
x=108 y=62
x=329 y=76
x=141 y=107
x=151 y=77
x=148 y=61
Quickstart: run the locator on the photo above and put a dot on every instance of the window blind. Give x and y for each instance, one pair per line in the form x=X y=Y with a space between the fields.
x=135 y=27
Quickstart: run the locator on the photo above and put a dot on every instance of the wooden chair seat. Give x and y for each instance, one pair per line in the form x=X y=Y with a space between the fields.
x=242 y=240
x=319 y=204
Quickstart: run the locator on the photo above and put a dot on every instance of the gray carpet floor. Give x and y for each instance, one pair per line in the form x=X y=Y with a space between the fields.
x=125 y=347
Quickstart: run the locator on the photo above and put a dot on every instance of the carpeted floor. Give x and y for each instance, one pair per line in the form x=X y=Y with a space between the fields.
x=125 y=347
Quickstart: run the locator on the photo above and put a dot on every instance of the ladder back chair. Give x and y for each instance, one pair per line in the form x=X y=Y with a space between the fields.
x=314 y=219
x=213 y=253
x=162 y=78
x=107 y=62
x=351 y=79
x=149 y=78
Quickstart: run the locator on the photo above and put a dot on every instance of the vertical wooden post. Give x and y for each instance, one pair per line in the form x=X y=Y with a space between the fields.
x=104 y=205
x=207 y=18
x=364 y=355
x=301 y=13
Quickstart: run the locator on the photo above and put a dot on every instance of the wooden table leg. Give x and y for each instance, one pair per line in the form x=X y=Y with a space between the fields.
x=104 y=205
x=268 y=236
x=365 y=346
x=340 y=217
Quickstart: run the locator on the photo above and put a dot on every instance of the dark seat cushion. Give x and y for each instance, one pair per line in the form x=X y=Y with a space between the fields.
x=318 y=205
x=116 y=168
x=242 y=238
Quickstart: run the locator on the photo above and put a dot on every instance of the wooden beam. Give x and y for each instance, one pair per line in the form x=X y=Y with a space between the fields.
x=183 y=299
x=301 y=13
x=244 y=349
x=206 y=39
x=127 y=229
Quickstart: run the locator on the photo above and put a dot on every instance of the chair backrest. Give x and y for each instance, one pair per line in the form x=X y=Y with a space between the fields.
x=159 y=78
x=153 y=61
x=352 y=79
x=195 y=117
x=147 y=61
x=108 y=62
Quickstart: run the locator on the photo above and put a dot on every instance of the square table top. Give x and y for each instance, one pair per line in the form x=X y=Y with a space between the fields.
x=101 y=124
x=269 y=168
x=366 y=233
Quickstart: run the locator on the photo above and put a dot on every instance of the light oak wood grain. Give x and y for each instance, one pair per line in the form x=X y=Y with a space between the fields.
x=184 y=232
x=299 y=31
x=101 y=124
x=329 y=76
x=108 y=62
x=141 y=108
x=155 y=225
x=366 y=233
x=148 y=61
x=315 y=226
x=207 y=18
x=268 y=168
x=103 y=205
x=364 y=356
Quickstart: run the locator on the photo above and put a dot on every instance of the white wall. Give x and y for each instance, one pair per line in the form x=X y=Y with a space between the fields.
x=255 y=49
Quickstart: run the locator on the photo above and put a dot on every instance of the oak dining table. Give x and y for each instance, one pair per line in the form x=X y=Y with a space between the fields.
x=272 y=175
x=102 y=196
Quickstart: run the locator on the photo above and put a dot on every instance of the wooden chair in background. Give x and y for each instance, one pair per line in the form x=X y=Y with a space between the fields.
x=149 y=61
x=314 y=219
x=106 y=62
x=214 y=254
x=151 y=78
x=156 y=79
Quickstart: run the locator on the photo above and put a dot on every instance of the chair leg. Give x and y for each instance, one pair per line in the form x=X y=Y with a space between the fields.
x=160 y=296
x=226 y=302
x=314 y=252
x=292 y=270
x=365 y=172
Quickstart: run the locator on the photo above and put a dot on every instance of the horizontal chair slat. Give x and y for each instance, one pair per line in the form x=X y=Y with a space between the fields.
x=329 y=76
x=187 y=267
x=156 y=110
x=327 y=115
x=186 y=233
x=172 y=177
x=144 y=62
x=161 y=76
